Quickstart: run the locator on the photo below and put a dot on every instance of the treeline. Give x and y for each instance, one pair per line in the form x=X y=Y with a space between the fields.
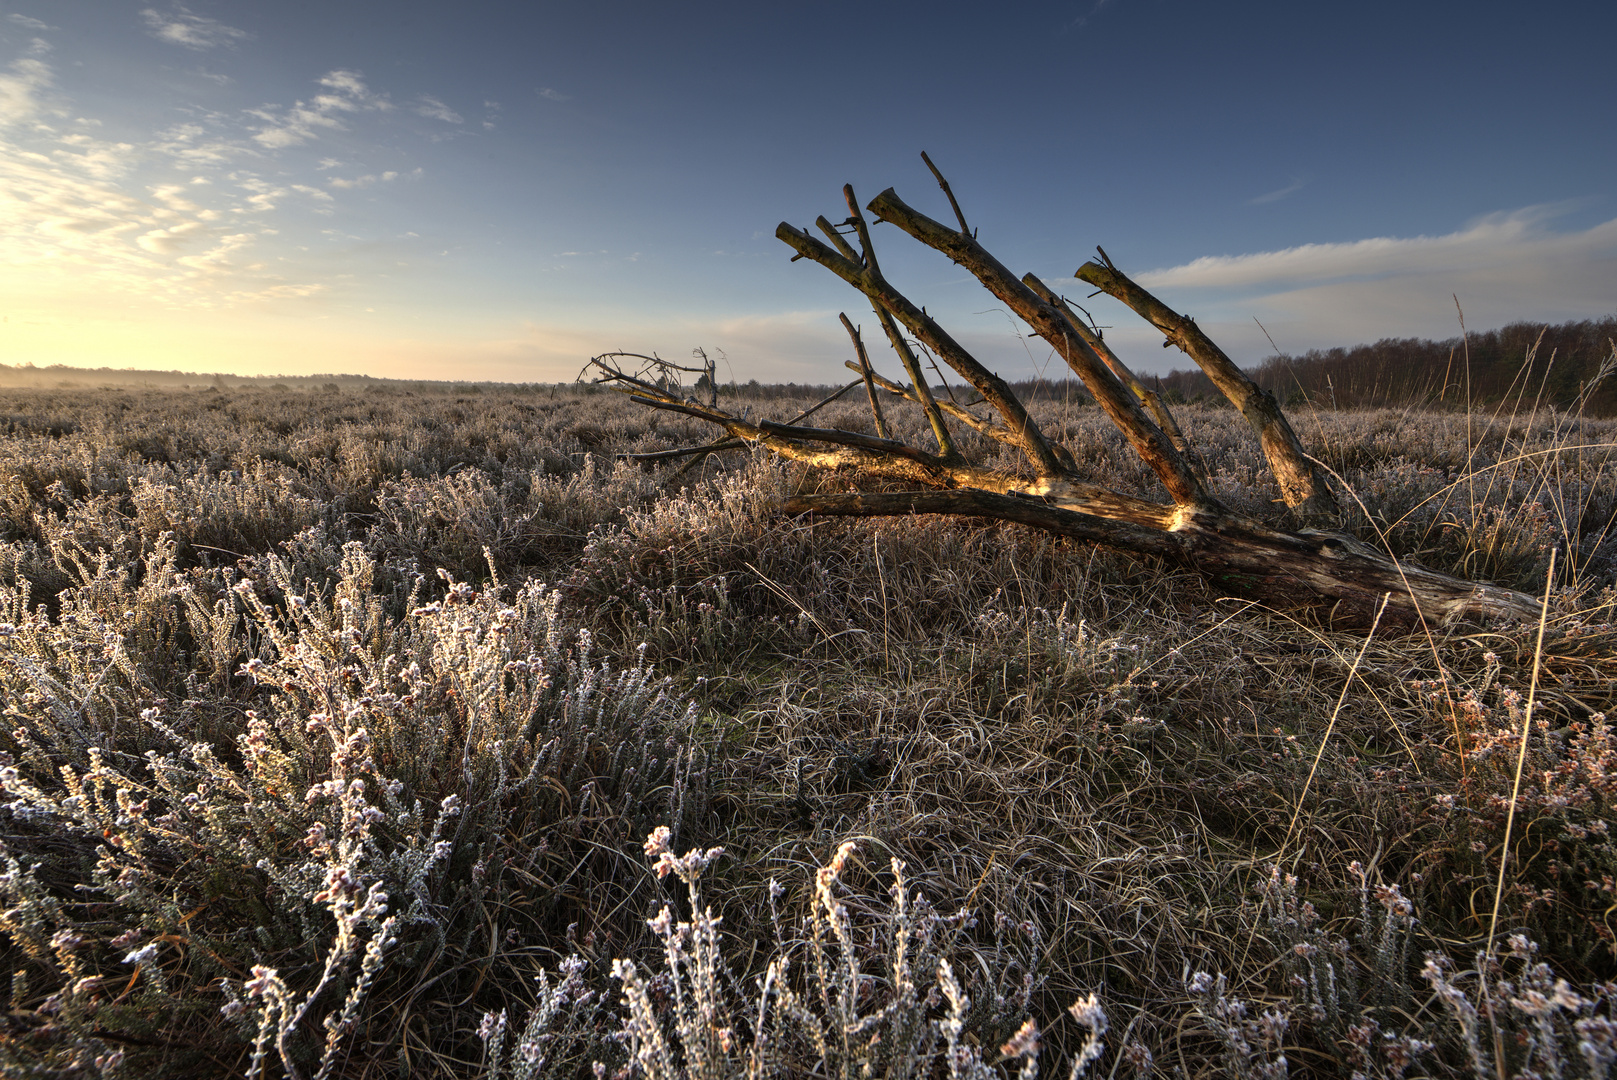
x=1555 y=365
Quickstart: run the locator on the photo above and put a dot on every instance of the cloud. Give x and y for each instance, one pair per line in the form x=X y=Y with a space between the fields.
x=261 y=194
x=1504 y=267
x=166 y=216
x=305 y=120
x=170 y=240
x=1083 y=20
x=28 y=24
x=20 y=85
x=434 y=109
x=554 y=95
x=1276 y=196
x=1502 y=236
x=280 y=292
x=368 y=179
x=217 y=260
x=192 y=146
x=184 y=27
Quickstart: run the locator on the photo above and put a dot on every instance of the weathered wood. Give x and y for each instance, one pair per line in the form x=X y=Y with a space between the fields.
x=888 y=460
x=866 y=257
x=1149 y=398
x=1148 y=440
x=1281 y=567
x=1302 y=485
x=1030 y=440
x=1333 y=569
x=864 y=369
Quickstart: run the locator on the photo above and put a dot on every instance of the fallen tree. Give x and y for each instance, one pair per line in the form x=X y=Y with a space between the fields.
x=1314 y=562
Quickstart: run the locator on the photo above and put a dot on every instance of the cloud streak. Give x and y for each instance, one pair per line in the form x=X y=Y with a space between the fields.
x=20 y=88
x=1275 y=196
x=181 y=26
x=434 y=109
x=1504 y=267
x=1508 y=237
x=305 y=121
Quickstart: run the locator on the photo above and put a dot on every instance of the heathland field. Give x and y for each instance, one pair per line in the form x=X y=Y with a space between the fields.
x=340 y=729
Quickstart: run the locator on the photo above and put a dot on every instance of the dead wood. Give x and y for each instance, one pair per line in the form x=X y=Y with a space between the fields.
x=1301 y=484
x=1328 y=568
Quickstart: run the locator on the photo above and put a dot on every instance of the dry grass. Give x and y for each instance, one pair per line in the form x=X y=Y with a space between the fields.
x=1104 y=749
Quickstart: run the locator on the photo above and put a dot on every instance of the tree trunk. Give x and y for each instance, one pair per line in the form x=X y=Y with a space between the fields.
x=1248 y=558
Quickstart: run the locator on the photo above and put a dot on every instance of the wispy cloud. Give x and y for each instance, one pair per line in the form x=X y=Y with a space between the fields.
x=553 y=95
x=171 y=218
x=198 y=146
x=1493 y=239
x=20 y=88
x=1504 y=267
x=305 y=120
x=1278 y=194
x=182 y=26
x=434 y=109
x=28 y=23
x=1083 y=20
x=363 y=181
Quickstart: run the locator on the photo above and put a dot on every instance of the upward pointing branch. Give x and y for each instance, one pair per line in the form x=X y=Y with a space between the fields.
x=1301 y=484
x=944 y=184
x=868 y=280
x=1148 y=397
x=864 y=369
x=1148 y=440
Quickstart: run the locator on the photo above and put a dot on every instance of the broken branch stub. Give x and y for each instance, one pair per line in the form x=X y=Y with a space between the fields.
x=1195 y=528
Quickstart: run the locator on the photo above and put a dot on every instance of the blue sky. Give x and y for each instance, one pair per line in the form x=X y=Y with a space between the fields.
x=500 y=190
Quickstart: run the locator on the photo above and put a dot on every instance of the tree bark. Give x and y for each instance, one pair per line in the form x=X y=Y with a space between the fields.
x=1249 y=558
x=1301 y=484
x=1048 y=322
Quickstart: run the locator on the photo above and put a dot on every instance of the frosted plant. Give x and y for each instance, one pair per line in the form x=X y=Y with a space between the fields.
x=853 y=1022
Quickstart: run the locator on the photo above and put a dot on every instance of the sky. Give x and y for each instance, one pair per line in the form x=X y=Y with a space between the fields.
x=500 y=190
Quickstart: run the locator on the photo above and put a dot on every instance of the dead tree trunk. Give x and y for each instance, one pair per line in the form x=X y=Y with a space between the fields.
x=1194 y=528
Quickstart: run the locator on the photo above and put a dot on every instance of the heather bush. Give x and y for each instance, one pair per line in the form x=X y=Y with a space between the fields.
x=357 y=804
x=910 y=1016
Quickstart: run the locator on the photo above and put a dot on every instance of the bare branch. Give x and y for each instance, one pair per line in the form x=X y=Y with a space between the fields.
x=864 y=369
x=995 y=391
x=1148 y=440
x=1303 y=486
x=1148 y=397
x=944 y=184
x=982 y=425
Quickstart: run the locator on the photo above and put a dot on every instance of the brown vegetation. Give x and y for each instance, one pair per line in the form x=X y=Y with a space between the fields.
x=207 y=597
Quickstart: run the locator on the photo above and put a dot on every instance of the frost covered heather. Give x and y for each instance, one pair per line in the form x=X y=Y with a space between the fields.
x=398 y=734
